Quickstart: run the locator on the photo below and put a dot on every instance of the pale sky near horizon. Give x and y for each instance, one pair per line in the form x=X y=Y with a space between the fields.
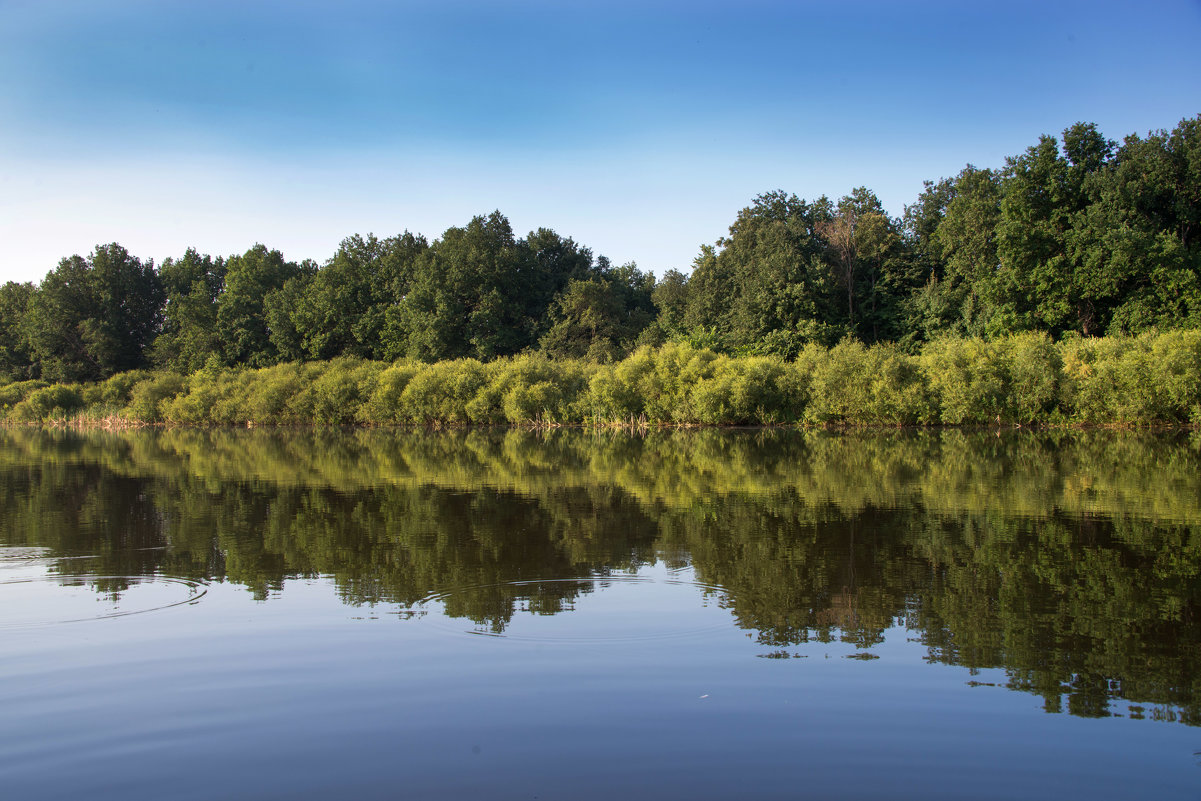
x=638 y=129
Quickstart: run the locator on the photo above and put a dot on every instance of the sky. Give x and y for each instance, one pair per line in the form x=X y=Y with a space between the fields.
x=639 y=129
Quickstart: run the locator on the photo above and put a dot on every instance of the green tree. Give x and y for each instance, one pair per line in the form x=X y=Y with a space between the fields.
x=288 y=315
x=557 y=262
x=193 y=285
x=93 y=317
x=963 y=299
x=670 y=297
x=241 y=317
x=480 y=292
x=1047 y=276
x=600 y=318
x=1146 y=226
x=455 y=300
x=768 y=278
x=342 y=309
x=865 y=253
x=386 y=267
x=16 y=361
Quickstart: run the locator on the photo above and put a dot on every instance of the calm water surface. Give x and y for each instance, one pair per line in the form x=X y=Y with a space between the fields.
x=568 y=615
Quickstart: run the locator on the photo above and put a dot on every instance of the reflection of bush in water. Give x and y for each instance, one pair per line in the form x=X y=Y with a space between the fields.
x=1071 y=560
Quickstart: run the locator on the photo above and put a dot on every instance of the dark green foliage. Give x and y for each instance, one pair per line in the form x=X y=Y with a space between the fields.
x=16 y=361
x=600 y=318
x=670 y=297
x=189 y=335
x=343 y=309
x=769 y=275
x=466 y=298
x=960 y=298
x=94 y=317
x=241 y=322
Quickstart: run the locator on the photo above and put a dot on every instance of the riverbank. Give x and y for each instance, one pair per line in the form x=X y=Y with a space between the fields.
x=1148 y=380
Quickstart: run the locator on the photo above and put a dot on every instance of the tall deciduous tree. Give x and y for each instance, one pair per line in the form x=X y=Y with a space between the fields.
x=600 y=318
x=193 y=286
x=16 y=362
x=868 y=267
x=342 y=309
x=964 y=301
x=481 y=292
x=1149 y=215
x=93 y=317
x=241 y=314
x=768 y=277
x=1046 y=282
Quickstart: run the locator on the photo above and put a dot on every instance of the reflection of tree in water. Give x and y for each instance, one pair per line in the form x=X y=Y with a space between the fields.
x=1069 y=561
x=1080 y=611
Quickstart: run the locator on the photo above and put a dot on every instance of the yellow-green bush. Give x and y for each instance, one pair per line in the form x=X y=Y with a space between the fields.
x=114 y=392
x=384 y=405
x=968 y=378
x=55 y=402
x=12 y=394
x=880 y=385
x=150 y=398
x=1149 y=379
x=1035 y=367
x=440 y=392
x=1110 y=381
x=651 y=384
x=335 y=391
x=751 y=390
x=1176 y=358
x=532 y=389
x=212 y=397
x=273 y=392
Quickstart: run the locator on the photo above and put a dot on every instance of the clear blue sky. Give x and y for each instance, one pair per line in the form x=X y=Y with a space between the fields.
x=638 y=128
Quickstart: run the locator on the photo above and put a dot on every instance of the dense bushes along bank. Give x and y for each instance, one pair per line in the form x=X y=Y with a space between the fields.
x=1027 y=379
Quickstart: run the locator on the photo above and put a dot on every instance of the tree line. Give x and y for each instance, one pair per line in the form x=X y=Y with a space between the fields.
x=1075 y=235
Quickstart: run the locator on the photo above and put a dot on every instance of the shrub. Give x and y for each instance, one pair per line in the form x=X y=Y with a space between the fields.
x=1175 y=359
x=338 y=391
x=150 y=397
x=272 y=394
x=967 y=378
x=751 y=390
x=440 y=392
x=384 y=404
x=55 y=402
x=12 y=394
x=880 y=385
x=655 y=385
x=1035 y=368
x=840 y=384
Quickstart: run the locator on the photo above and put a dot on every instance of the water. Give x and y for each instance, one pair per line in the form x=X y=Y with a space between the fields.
x=509 y=614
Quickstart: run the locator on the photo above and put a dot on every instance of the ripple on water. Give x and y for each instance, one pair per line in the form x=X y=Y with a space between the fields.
x=45 y=599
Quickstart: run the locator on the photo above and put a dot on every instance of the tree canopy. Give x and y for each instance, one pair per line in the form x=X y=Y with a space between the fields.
x=1077 y=235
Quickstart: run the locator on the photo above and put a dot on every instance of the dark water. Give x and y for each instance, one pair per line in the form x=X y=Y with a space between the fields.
x=508 y=614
